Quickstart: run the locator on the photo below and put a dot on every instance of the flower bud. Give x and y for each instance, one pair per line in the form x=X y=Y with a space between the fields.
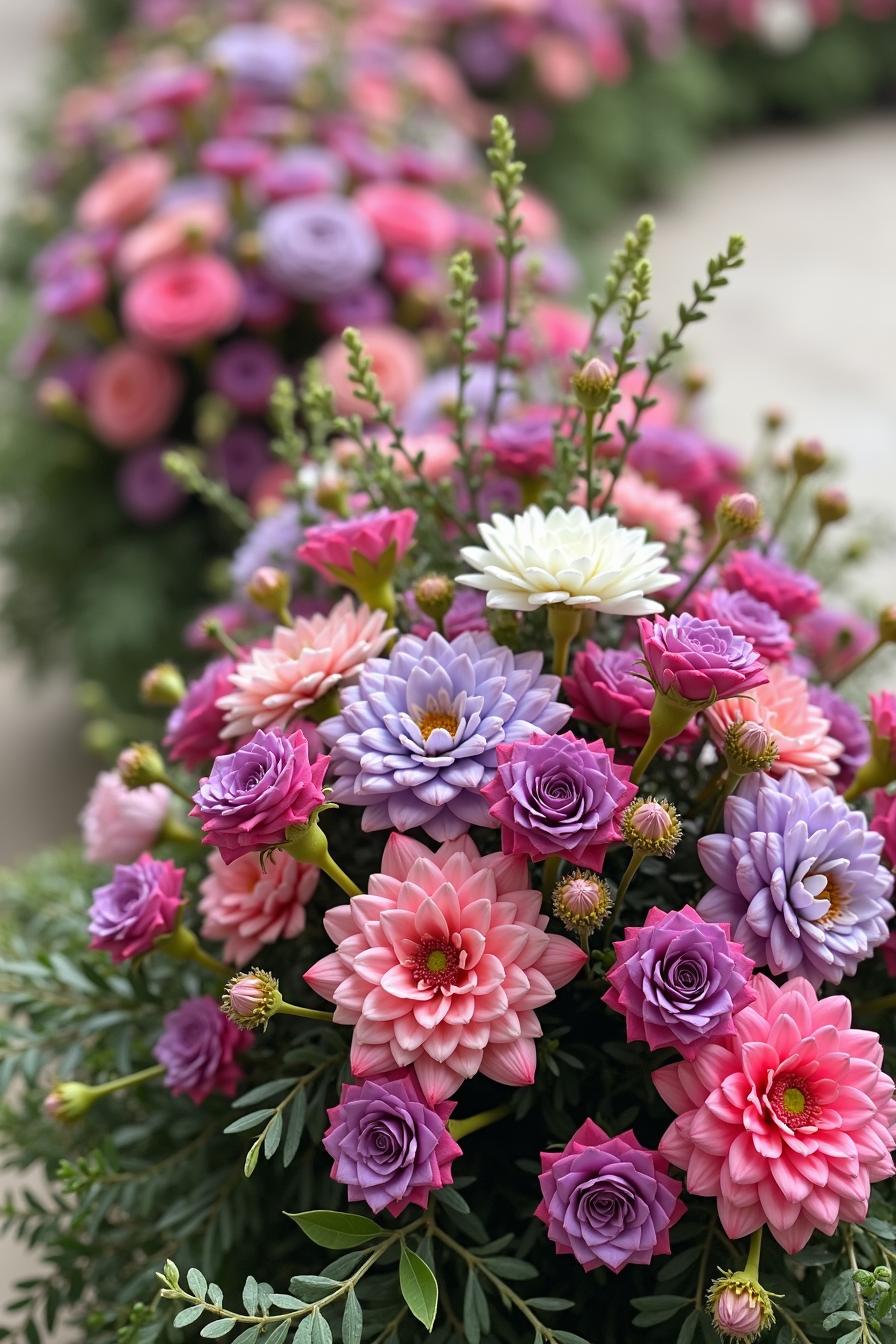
x=249 y=249
x=270 y=588
x=652 y=826
x=592 y=384
x=69 y=1101
x=749 y=747
x=694 y=382
x=831 y=504
x=886 y=624
x=331 y=495
x=738 y=516
x=141 y=764
x=773 y=419
x=54 y=396
x=101 y=737
x=740 y=1307
x=808 y=456
x=162 y=686
x=582 y=901
x=434 y=594
x=251 y=999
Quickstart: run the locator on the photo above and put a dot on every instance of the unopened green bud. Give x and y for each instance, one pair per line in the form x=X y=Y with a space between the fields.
x=886 y=624
x=808 y=457
x=67 y=1102
x=141 y=764
x=162 y=686
x=592 y=384
x=738 y=516
x=434 y=594
x=831 y=504
x=270 y=588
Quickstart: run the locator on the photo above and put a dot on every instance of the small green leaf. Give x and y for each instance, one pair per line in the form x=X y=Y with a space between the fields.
x=418 y=1287
x=507 y=1268
x=273 y=1134
x=352 y=1320
x=294 y=1127
x=566 y=1337
x=215 y=1329
x=689 y=1327
x=198 y=1283
x=262 y=1093
x=278 y=1335
x=250 y=1121
x=187 y=1316
x=249 y=1336
x=250 y=1295
x=336 y=1231
x=251 y=1161
x=472 y=1327
x=549 y=1303
x=837 y=1291
x=320 y=1330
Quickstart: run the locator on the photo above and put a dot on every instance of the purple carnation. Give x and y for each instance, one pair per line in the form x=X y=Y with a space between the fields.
x=559 y=795
x=255 y=794
x=198 y=1049
x=608 y=687
x=679 y=981
x=388 y=1144
x=244 y=373
x=305 y=170
x=147 y=492
x=259 y=56
x=136 y=908
x=698 y=661
x=318 y=247
x=746 y=615
x=240 y=456
x=799 y=879
x=273 y=540
x=418 y=735
x=846 y=726
x=608 y=1201
x=193 y=730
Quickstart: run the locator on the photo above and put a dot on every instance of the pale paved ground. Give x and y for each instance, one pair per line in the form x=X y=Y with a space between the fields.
x=810 y=324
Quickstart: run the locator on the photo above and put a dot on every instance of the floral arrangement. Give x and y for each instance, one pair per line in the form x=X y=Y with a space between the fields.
x=515 y=914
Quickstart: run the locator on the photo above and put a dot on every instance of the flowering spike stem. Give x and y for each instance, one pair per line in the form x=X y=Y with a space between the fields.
x=783 y=514
x=183 y=945
x=634 y=863
x=459 y=1129
x=859 y=662
x=215 y=630
x=564 y=624
x=308 y=844
x=726 y=786
x=695 y=579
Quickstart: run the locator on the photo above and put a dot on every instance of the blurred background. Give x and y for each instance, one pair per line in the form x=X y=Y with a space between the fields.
x=809 y=326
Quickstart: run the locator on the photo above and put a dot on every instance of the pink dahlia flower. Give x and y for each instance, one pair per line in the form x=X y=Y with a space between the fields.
x=442 y=965
x=800 y=729
x=331 y=548
x=300 y=665
x=180 y=302
x=118 y=823
x=247 y=906
x=790 y=1122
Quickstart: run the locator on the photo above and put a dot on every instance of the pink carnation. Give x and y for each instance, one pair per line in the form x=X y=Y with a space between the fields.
x=124 y=192
x=408 y=217
x=182 y=301
x=883 y=721
x=301 y=664
x=118 y=823
x=247 y=906
x=442 y=965
x=789 y=591
x=799 y=728
x=884 y=822
x=193 y=730
x=790 y=1122
x=333 y=546
x=132 y=395
x=397 y=365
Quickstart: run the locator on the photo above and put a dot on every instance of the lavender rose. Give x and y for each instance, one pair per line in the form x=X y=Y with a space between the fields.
x=679 y=981
x=608 y=1201
x=747 y=615
x=698 y=662
x=559 y=795
x=318 y=247
x=389 y=1146
x=136 y=908
x=198 y=1048
x=255 y=794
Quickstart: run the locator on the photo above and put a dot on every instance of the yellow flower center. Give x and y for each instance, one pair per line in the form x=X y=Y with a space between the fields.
x=794 y=1101
x=838 y=898
x=433 y=719
x=437 y=960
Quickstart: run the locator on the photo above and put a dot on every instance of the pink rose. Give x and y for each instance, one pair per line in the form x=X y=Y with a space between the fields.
x=124 y=192
x=180 y=302
x=132 y=395
x=408 y=217
x=171 y=233
x=118 y=823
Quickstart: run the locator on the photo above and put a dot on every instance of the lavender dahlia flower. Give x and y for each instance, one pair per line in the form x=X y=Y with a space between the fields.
x=847 y=727
x=388 y=1144
x=697 y=661
x=418 y=736
x=798 y=877
x=137 y=907
x=317 y=247
x=198 y=1048
x=608 y=1201
x=678 y=981
x=559 y=795
x=746 y=615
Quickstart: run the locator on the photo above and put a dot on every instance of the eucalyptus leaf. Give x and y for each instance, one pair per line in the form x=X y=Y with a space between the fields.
x=418 y=1287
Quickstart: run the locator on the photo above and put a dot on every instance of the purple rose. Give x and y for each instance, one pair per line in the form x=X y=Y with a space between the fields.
x=524 y=444
x=193 y=730
x=608 y=1201
x=389 y=1146
x=198 y=1048
x=136 y=908
x=262 y=58
x=847 y=726
x=746 y=615
x=318 y=247
x=678 y=981
x=244 y=373
x=255 y=794
x=307 y=170
x=559 y=795
x=697 y=661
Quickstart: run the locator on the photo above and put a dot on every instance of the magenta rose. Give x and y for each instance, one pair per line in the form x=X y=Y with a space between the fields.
x=198 y=1050
x=331 y=547
x=193 y=730
x=698 y=661
x=558 y=795
x=136 y=908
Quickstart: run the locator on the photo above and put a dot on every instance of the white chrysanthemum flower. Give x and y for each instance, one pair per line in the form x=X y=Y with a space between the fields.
x=565 y=557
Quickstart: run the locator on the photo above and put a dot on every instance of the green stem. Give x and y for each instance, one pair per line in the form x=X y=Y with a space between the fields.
x=550 y=874
x=634 y=863
x=459 y=1129
x=859 y=662
x=809 y=549
x=176 y=832
x=329 y=866
x=308 y=844
x=751 y=1268
x=504 y=1290
x=176 y=789
x=854 y=1266
x=726 y=787
x=710 y=560
x=588 y=444
x=128 y=1080
x=784 y=511
x=668 y=718
x=564 y=624
x=183 y=945
x=294 y=1010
